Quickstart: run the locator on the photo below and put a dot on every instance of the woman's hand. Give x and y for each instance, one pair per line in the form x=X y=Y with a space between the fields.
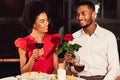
x=36 y=53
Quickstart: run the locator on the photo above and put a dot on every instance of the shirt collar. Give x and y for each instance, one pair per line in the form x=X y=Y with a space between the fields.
x=96 y=32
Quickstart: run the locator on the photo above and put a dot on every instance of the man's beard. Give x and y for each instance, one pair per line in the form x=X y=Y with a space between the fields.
x=84 y=26
x=87 y=25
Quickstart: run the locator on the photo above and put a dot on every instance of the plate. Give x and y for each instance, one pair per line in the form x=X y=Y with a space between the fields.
x=44 y=76
x=34 y=76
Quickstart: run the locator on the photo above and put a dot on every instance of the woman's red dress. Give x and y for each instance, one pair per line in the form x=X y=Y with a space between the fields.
x=50 y=42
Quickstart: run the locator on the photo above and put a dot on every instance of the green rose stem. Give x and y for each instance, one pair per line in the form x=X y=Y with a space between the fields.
x=69 y=48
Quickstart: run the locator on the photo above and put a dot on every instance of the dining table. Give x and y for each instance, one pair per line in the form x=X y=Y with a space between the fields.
x=18 y=77
x=38 y=77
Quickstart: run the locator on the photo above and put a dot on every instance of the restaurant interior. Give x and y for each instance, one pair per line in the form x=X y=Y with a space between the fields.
x=62 y=15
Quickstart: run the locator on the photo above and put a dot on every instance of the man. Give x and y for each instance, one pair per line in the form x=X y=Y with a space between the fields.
x=99 y=51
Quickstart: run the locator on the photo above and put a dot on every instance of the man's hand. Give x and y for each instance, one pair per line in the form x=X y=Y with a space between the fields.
x=68 y=58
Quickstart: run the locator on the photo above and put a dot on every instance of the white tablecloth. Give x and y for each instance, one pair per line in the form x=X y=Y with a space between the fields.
x=18 y=78
x=10 y=78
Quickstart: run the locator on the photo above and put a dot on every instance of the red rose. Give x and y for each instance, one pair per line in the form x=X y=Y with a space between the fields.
x=68 y=37
x=67 y=46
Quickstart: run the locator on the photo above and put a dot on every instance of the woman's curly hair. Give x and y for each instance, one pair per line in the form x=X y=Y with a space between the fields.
x=30 y=13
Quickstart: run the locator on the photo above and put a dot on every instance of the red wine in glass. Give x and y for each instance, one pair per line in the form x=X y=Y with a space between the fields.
x=39 y=45
x=80 y=67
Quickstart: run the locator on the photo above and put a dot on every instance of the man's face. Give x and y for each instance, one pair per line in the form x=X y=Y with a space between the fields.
x=85 y=16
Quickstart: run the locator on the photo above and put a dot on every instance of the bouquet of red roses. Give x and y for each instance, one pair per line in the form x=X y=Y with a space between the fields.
x=67 y=46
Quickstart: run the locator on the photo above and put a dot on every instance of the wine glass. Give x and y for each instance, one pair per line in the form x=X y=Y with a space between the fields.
x=78 y=66
x=40 y=46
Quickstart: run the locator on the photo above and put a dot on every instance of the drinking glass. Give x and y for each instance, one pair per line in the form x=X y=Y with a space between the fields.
x=79 y=66
x=39 y=46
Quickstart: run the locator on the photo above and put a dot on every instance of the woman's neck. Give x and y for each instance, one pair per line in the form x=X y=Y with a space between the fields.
x=37 y=36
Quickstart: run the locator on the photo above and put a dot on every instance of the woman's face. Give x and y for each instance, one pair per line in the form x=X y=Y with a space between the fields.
x=41 y=23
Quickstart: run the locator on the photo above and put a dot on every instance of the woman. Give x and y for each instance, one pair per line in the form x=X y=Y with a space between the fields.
x=37 y=49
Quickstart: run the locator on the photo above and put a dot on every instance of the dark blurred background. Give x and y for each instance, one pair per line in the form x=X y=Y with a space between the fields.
x=62 y=15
